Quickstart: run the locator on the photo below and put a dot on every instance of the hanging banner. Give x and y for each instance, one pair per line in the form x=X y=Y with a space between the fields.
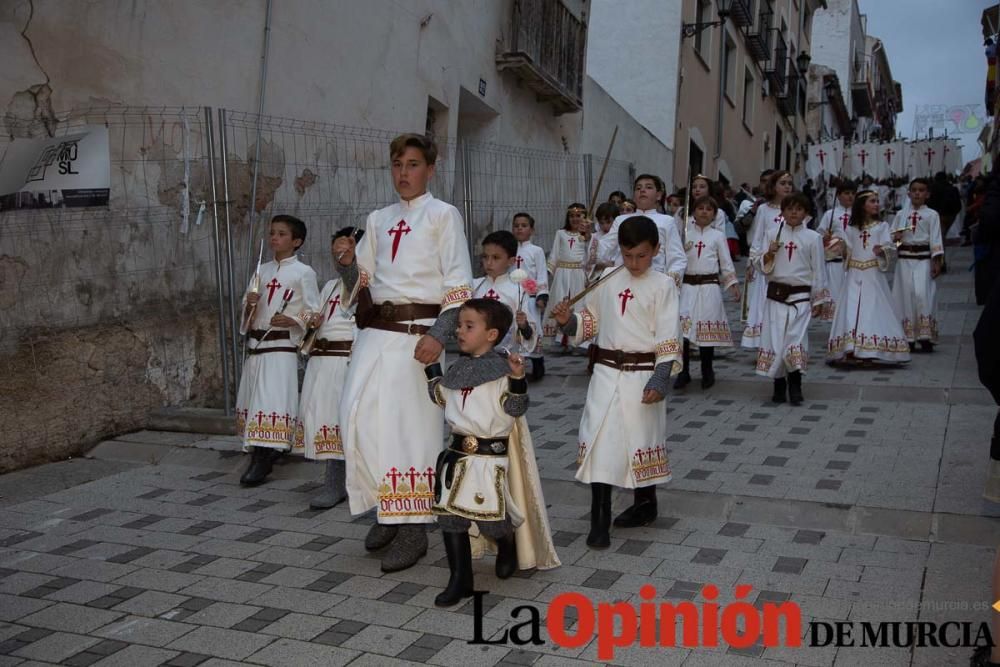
x=892 y=159
x=72 y=171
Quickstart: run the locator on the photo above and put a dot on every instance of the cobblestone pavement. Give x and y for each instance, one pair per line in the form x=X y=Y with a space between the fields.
x=861 y=505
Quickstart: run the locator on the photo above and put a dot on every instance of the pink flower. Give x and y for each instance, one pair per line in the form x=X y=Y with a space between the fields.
x=530 y=286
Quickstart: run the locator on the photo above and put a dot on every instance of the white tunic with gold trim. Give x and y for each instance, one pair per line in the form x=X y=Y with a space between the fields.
x=703 y=313
x=835 y=221
x=623 y=441
x=505 y=291
x=566 y=262
x=412 y=252
x=267 y=401
x=913 y=289
x=531 y=258
x=755 y=290
x=318 y=435
x=800 y=261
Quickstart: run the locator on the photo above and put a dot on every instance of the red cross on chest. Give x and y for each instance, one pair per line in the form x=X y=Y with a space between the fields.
x=519 y=261
x=844 y=219
x=864 y=239
x=914 y=219
x=397 y=233
x=272 y=287
x=465 y=394
x=571 y=242
x=625 y=296
x=491 y=294
x=700 y=245
x=334 y=302
x=791 y=248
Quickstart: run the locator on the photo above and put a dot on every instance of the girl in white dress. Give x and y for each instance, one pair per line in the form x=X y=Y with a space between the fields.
x=701 y=186
x=566 y=265
x=866 y=325
x=778 y=186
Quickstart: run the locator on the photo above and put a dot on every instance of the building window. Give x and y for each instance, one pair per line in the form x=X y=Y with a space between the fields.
x=729 y=68
x=696 y=159
x=748 y=98
x=778 y=143
x=703 y=39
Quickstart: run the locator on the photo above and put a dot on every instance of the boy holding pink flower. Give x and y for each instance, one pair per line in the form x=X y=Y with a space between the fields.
x=509 y=288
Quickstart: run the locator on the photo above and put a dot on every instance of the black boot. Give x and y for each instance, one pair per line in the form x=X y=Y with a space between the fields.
x=707 y=372
x=926 y=346
x=600 y=516
x=780 y=389
x=795 y=388
x=537 y=368
x=642 y=512
x=506 y=564
x=459 y=552
x=913 y=347
x=261 y=463
x=684 y=377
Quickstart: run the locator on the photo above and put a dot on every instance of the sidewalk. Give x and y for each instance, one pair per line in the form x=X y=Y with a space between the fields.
x=864 y=504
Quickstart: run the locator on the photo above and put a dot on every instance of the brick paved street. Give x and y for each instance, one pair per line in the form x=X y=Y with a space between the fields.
x=864 y=504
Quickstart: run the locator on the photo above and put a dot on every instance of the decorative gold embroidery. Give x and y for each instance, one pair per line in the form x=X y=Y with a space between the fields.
x=407 y=493
x=499 y=483
x=650 y=463
x=569 y=265
x=581 y=453
x=459 y=294
x=822 y=296
x=862 y=265
x=926 y=328
x=327 y=440
x=590 y=324
x=765 y=359
x=272 y=429
x=752 y=331
x=872 y=343
x=677 y=278
x=796 y=358
x=666 y=348
x=707 y=331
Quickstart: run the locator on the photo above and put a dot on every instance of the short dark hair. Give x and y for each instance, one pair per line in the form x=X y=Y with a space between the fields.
x=531 y=221
x=297 y=227
x=607 y=210
x=795 y=199
x=425 y=145
x=924 y=181
x=764 y=174
x=616 y=193
x=637 y=229
x=846 y=185
x=705 y=200
x=657 y=181
x=354 y=232
x=504 y=239
x=497 y=315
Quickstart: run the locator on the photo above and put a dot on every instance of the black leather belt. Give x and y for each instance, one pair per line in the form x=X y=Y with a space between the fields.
x=470 y=444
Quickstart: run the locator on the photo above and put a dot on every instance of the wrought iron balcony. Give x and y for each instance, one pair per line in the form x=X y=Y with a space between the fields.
x=741 y=12
x=545 y=48
x=758 y=38
x=778 y=65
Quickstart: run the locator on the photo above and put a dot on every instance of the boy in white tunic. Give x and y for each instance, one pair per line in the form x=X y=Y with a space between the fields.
x=917 y=231
x=413 y=264
x=487 y=475
x=317 y=435
x=274 y=321
x=832 y=226
x=794 y=264
x=499 y=251
x=531 y=258
x=670 y=259
x=633 y=319
x=709 y=271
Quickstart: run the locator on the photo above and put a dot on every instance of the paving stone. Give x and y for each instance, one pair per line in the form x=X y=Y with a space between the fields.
x=789 y=565
x=133 y=656
x=139 y=630
x=70 y=618
x=222 y=643
x=56 y=647
x=382 y=640
x=222 y=614
x=291 y=652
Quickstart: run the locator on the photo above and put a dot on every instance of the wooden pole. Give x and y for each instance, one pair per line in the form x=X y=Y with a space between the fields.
x=600 y=178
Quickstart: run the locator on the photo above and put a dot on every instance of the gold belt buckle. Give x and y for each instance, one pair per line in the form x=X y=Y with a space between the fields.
x=470 y=445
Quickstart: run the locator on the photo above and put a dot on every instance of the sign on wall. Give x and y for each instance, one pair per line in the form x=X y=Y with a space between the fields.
x=72 y=170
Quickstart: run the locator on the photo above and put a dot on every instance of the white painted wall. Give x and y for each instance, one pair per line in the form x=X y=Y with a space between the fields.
x=837 y=34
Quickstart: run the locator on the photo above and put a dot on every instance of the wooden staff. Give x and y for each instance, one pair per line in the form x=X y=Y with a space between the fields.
x=597 y=284
x=600 y=178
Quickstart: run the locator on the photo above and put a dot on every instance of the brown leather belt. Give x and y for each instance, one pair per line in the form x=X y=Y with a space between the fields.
x=265 y=350
x=701 y=279
x=620 y=360
x=258 y=334
x=780 y=291
x=914 y=251
x=331 y=348
x=394 y=317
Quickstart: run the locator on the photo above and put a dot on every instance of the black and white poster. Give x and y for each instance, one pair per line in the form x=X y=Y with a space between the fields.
x=68 y=171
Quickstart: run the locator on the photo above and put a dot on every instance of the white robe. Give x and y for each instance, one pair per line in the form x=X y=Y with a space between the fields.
x=755 y=290
x=531 y=258
x=784 y=340
x=267 y=400
x=318 y=432
x=505 y=291
x=835 y=221
x=623 y=441
x=703 y=313
x=719 y=223
x=566 y=262
x=913 y=289
x=671 y=259
x=866 y=324
x=412 y=252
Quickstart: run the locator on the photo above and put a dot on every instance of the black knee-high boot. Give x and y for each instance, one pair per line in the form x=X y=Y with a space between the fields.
x=506 y=564
x=600 y=516
x=780 y=390
x=643 y=509
x=795 y=388
x=707 y=372
x=684 y=378
x=459 y=552
x=537 y=368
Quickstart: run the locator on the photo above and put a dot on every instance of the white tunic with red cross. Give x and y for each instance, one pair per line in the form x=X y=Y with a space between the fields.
x=504 y=290
x=754 y=291
x=623 y=441
x=913 y=289
x=318 y=435
x=412 y=252
x=703 y=312
x=268 y=397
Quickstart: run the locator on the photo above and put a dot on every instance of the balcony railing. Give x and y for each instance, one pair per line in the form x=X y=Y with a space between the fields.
x=741 y=12
x=788 y=98
x=776 y=70
x=758 y=37
x=545 y=48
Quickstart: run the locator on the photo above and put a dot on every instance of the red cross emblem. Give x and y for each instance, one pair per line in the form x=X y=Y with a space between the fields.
x=571 y=242
x=465 y=394
x=491 y=294
x=930 y=153
x=863 y=154
x=888 y=153
x=397 y=234
x=864 y=238
x=334 y=302
x=625 y=296
x=394 y=475
x=700 y=246
x=429 y=474
x=413 y=476
x=845 y=218
x=914 y=219
x=790 y=247
x=272 y=287
x=821 y=154
x=519 y=261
